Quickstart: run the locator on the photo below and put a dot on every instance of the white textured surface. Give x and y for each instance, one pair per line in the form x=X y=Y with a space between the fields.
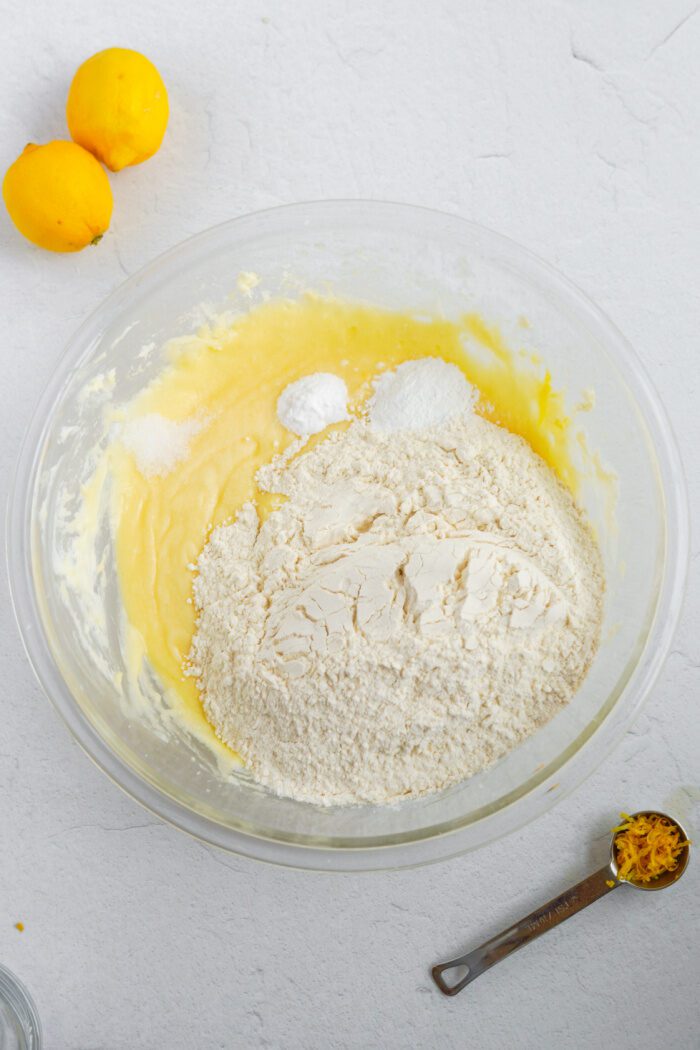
x=570 y=127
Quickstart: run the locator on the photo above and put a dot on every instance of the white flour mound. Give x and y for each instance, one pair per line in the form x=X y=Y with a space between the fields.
x=421 y=603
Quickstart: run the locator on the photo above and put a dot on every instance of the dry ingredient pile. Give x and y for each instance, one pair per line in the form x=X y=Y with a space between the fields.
x=427 y=596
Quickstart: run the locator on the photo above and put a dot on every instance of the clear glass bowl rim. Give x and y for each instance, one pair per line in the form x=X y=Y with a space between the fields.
x=17 y=997
x=425 y=848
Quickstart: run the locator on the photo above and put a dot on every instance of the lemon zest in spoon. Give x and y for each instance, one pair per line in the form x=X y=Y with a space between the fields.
x=647 y=846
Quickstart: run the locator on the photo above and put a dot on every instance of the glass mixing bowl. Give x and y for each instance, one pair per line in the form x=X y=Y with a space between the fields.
x=393 y=256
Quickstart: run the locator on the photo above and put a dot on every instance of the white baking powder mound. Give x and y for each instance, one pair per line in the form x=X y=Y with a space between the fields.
x=420 y=394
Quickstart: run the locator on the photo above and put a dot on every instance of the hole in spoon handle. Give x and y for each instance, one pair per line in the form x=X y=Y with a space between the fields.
x=462 y=981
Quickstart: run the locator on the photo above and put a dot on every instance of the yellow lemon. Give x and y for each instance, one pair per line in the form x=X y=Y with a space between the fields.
x=58 y=196
x=118 y=107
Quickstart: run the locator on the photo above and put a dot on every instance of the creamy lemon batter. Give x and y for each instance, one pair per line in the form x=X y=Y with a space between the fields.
x=228 y=379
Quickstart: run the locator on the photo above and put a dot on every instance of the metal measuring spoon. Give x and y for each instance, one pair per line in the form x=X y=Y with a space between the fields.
x=552 y=913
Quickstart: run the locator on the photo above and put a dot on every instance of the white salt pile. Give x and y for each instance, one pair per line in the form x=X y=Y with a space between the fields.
x=420 y=394
x=312 y=403
x=157 y=443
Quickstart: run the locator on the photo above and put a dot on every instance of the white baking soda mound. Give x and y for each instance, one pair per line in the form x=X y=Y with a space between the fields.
x=312 y=403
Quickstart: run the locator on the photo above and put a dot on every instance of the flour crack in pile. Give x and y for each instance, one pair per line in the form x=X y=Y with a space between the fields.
x=421 y=602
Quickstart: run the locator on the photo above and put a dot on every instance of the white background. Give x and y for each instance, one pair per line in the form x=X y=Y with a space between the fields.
x=571 y=127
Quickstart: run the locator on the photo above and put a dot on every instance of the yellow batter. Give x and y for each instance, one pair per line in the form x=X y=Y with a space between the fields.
x=231 y=376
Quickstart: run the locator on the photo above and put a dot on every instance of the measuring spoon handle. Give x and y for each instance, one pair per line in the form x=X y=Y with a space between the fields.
x=521 y=933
